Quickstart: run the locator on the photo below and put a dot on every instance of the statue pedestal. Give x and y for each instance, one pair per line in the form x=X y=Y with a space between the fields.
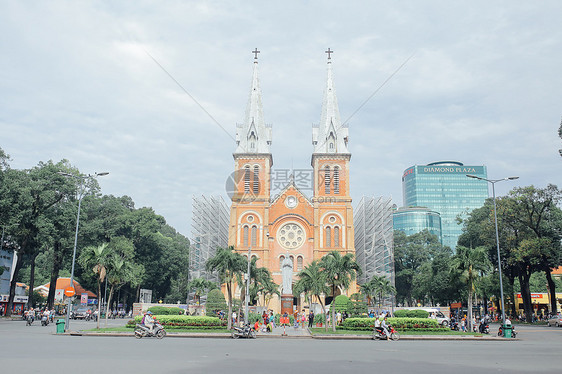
x=287 y=304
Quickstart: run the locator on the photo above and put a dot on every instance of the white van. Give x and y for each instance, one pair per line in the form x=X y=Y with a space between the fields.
x=439 y=316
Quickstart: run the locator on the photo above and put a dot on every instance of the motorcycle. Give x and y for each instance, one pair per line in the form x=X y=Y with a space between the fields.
x=513 y=333
x=484 y=328
x=379 y=333
x=142 y=331
x=244 y=332
x=29 y=320
x=455 y=326
x=44 y=321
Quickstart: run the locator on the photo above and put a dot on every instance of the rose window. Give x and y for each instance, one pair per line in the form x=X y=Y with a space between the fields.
x=291 y=236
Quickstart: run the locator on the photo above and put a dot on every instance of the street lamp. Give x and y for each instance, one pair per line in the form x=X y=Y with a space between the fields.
x=247 y=298
x=493 y=183
x=82 y=179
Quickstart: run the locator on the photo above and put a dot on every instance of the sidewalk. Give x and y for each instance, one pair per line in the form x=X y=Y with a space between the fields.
x=287 y=332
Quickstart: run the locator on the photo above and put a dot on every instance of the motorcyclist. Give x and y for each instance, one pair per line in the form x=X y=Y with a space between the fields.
x=31 y=313
x=384 y=328
x=148 y=321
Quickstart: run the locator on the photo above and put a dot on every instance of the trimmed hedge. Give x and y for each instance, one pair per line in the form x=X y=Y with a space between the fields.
x=166 y=311
x=425 y=324
x=340 y=303
x=411 y=313
x=183 y=322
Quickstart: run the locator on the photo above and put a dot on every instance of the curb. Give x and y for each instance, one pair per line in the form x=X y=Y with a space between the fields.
x=416 y=337
x=318 y=337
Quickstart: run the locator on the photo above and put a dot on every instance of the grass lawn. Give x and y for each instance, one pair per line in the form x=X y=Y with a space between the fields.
x=321 y=331
x=125 y=329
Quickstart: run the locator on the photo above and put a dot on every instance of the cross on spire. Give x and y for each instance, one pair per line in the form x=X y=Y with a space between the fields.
x=255 y=52
x=329 y=53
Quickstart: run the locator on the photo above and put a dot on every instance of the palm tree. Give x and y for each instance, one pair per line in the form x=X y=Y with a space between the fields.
x=227 y=263
x=368 y=290
x=469 y=264
x=313 y=280
x=340 y=272
x=119 y=267
x=200 y=286
x=382 y=287
x=96 y=258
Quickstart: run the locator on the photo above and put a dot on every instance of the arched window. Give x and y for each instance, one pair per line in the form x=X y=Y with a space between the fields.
x=281 y=259
x=299 y=263
x=336 y=236
x=256 y=180
x=292 y=261
x=254 y=236
x=327 y=180
x=336 y=180
x=246 y=229
x=328 y=237
x=247 y=179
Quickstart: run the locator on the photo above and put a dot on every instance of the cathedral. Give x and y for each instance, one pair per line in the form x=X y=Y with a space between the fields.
x=291 y=225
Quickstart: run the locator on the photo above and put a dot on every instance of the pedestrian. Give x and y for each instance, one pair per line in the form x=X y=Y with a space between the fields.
x=272 y=319
x=303 y=319
x=310 y=319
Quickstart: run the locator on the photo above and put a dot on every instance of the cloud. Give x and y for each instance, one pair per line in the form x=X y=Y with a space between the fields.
x=76 y=82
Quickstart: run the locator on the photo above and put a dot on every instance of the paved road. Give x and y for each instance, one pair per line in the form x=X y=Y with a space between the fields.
x=35 y=350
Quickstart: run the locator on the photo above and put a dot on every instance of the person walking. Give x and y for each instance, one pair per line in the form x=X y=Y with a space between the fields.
x=310 y=319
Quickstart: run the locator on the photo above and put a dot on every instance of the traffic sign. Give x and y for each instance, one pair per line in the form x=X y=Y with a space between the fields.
x=69 y=291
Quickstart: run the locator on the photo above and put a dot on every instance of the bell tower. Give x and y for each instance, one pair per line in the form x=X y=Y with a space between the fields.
x=249 y=212
x=333 y=213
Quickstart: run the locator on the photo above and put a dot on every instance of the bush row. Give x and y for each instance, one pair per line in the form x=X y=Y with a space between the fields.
x=178 y=321
x=162 y=311
x=397 y=322
x=411 y=313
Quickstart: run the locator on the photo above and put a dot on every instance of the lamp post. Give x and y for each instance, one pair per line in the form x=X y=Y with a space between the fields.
x=82 y=179
x=247 y=298
x=493 y=183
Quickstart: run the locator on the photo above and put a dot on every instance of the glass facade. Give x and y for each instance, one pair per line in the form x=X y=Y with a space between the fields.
x=416 y=219
x=444 y=188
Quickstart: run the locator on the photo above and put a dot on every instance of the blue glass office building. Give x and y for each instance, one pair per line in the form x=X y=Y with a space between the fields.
x=416 y=219
x=444 y=188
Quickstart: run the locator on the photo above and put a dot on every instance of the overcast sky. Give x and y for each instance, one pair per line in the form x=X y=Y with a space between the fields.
x=482 y=87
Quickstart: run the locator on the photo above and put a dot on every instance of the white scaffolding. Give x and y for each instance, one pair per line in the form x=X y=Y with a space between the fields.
x=374 y=239
x=209 y=230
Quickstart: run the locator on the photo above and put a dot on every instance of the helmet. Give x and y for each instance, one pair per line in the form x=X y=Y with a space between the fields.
x=149 y=312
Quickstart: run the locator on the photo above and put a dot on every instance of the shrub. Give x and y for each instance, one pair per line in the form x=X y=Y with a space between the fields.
x=319 y=318
x=411 y=313
x=340 y=303
x=402 y=324
x=163 y=311
x=183 y=322
x=356 y=307
x=215 y=302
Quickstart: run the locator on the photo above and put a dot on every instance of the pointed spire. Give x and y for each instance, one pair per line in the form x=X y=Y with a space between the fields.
x=254 y=136
x=330 y=136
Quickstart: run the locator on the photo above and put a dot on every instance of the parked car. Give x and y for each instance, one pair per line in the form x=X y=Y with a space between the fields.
x=81 y=312
x=555 y=320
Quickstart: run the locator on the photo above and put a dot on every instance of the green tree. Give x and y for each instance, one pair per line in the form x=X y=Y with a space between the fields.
x=200 y=286
x=215 y=302
x=468 y=264
x=96 y=259
x=410 y=253
x=368 y=290
x=120 y=267
x=340 y=272
x=227 y=264
x=312 y=279
x=25 y=196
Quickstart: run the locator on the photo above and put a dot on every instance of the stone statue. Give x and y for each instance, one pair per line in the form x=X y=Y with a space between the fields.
x=287 y=272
